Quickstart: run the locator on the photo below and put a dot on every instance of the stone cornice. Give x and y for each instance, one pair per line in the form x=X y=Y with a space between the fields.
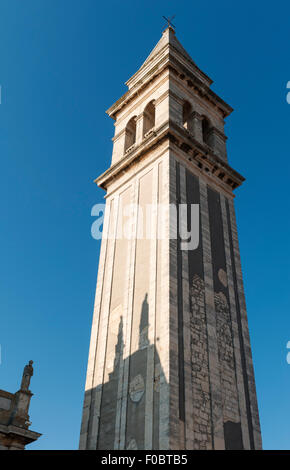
x=203 y=90
x=158 y=57
x=215 y=130
x=131 y=157
x=131 y=94
x=5 y=394
x=16 y=432
x=170 y=62
x=205 y=158
x=201 y=155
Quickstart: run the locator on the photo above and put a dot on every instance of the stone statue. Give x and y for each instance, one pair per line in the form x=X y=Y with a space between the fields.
x=26 y=377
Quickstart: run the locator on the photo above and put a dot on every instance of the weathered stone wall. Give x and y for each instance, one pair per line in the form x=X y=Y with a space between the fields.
x=170 y=362
x=226 y=359
x=218 y=377
x=199 y=365
x=127 y=400
x=169 y=337
x=226 y=355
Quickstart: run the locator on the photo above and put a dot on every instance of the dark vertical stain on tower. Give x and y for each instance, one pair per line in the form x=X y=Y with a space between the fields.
x=231 y=412
x=242 y=347
x=202 y=406
x=217 y=241
x=195 y=261
x=180 y=306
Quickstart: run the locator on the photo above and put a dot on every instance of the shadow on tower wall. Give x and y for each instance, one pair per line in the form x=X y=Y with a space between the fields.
x=123 y=405
x=128 y=405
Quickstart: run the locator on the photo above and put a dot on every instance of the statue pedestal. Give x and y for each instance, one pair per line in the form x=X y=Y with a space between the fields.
x=21 y=407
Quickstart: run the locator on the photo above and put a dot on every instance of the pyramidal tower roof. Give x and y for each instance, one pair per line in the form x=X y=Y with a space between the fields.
x=168 y=38
x=168 y=45
x=168 y=52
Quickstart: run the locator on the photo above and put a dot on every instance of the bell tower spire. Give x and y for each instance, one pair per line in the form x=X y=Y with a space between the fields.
x=179 y=373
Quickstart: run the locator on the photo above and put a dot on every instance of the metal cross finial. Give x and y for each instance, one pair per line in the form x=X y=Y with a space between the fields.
x=169 y=22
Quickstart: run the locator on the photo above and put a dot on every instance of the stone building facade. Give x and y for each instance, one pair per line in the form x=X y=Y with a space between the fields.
x=14 y=418
x=170 y=363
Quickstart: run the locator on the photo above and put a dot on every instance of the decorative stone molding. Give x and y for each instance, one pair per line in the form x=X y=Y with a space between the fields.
x=192 y=82
x=198 y=153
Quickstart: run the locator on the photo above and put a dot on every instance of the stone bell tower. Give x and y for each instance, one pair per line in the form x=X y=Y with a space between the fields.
x=170 y=363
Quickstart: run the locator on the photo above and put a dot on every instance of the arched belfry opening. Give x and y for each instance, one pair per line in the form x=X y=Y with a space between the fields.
x=149 y=118
x=187 y=116
x=206 y=127
x=130 y=133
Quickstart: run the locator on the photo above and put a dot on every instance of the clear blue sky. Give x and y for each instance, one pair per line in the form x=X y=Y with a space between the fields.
x=63 y=63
